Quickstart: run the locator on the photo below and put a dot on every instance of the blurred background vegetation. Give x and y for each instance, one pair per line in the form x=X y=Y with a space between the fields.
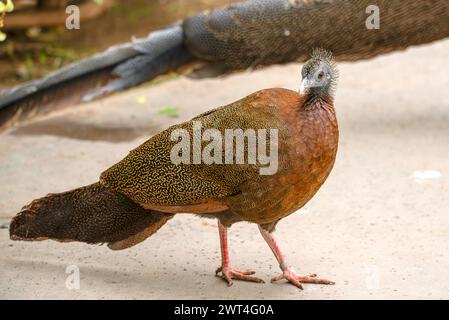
x=38 y=43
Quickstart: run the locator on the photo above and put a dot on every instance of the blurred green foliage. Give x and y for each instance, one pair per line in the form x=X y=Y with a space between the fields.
x=34 y=52
x=4 y=8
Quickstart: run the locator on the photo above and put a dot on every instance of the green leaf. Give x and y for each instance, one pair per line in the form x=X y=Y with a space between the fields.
x=9 y=6
x=42 y=57
x=169 y=112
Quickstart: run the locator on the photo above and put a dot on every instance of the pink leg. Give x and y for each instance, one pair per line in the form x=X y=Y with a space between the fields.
x=229 y=273
x=287 y=272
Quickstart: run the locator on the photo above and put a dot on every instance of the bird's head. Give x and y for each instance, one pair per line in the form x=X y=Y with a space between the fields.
x=319 y=74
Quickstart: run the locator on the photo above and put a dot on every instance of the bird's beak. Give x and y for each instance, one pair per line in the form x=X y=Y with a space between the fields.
x=305 y=83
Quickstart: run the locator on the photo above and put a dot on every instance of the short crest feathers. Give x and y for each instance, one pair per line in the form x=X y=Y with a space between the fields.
x=326 y=56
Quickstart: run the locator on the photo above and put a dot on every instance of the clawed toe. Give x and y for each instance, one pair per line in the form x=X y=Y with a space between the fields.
x=297 y=280
x=228 y=274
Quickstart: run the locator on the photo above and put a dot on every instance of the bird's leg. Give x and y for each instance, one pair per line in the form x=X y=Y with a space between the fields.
x=227 y=272
x=287 y=272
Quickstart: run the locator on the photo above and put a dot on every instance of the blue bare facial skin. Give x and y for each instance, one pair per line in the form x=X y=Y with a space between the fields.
x=319 y=74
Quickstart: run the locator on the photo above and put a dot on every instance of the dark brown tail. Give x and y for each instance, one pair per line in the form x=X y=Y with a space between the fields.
x=91 y=214
x=118 y=68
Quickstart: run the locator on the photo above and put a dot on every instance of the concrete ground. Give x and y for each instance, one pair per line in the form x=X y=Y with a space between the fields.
x=379 y=226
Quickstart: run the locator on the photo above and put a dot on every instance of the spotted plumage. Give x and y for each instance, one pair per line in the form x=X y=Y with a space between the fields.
x=147 y=181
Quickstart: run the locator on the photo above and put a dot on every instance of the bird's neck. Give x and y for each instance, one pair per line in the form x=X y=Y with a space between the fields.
x=313 y=100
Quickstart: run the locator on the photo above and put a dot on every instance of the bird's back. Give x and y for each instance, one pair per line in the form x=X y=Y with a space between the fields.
x=149 y=176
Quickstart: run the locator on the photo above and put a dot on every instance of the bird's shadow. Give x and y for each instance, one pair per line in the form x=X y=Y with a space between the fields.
x=72 y=129
x=149 y=279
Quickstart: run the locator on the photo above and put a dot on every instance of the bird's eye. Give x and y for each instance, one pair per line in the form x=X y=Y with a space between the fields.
x=321 y=75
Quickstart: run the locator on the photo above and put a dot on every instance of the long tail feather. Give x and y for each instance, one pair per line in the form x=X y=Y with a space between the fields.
x=117 y=68
x=91 y=214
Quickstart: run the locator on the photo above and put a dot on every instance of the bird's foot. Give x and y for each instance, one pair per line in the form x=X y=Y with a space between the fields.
x=229 y=273
x=297 y=280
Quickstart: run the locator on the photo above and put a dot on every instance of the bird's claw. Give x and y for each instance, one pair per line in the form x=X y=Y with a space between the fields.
x=228 y=274
x=297 y=280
